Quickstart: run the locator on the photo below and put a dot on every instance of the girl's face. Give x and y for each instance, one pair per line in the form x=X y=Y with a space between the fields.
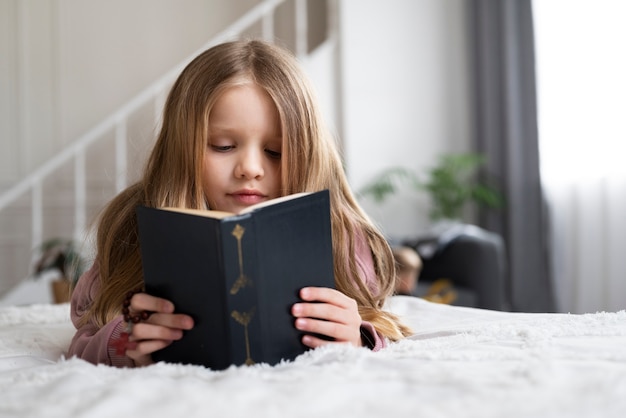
x=242 y=157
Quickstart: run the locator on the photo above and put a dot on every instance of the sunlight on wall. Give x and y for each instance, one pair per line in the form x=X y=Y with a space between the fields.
x=581 y=76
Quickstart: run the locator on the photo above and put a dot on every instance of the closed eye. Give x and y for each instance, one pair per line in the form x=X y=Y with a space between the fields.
x=222 y=148
x=273 y=154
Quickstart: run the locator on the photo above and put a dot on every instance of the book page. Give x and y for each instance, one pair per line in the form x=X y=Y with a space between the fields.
x=217 y=214
x=273 y=202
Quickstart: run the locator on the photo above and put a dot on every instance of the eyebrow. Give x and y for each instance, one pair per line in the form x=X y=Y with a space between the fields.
x=229 y=130
x=221 y=128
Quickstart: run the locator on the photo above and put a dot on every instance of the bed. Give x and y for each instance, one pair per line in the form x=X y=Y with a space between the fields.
x=461 y=362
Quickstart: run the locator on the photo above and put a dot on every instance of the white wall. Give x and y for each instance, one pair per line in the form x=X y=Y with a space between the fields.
x=402 y=84
x=405 y=95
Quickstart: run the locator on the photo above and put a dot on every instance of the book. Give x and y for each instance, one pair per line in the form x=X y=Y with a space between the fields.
x=237 y=275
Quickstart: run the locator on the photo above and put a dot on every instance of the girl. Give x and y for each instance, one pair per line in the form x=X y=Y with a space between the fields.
x=240 y=126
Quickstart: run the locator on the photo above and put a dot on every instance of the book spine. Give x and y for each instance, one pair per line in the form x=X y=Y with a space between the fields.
x=239 y=253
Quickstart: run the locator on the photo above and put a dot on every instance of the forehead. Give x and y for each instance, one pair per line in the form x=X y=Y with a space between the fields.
x=245 y=106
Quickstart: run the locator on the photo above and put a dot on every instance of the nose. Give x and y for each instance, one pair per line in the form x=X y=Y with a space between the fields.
x=249 y=164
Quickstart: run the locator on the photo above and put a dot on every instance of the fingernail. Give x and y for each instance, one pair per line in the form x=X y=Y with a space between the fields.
x=167 y=307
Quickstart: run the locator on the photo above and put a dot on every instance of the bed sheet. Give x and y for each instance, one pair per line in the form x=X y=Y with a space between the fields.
x=460 y=362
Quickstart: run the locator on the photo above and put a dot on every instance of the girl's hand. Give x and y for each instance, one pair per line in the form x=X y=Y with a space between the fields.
x=333 y=315
x=158 y=331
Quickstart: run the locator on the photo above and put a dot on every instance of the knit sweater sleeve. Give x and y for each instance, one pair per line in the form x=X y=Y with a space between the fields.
x=93 y=343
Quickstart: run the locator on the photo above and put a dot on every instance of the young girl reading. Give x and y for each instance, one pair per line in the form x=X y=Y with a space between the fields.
x=240 y=126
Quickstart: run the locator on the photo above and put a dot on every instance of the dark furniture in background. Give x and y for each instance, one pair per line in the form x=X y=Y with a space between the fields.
x=473 y=259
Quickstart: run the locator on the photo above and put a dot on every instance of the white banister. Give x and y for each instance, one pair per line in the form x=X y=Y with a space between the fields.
x=120 y=155
x=80 y=193
x=160 y=95
x=37 y=211
x=301 y=28
x=267 y=26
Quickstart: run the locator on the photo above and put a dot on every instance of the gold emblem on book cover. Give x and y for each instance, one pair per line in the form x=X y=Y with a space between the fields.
x=242 y=281
x=244 y=319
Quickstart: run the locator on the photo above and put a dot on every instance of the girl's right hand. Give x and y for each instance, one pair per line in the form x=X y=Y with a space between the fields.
x=158 y=331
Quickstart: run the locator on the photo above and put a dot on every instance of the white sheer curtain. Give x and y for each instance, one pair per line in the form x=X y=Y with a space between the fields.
x=581 y=77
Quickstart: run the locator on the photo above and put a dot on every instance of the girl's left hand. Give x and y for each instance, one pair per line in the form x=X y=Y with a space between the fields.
x=330 y=313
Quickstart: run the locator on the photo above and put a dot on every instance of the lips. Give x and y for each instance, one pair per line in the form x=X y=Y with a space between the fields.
x=248 y=197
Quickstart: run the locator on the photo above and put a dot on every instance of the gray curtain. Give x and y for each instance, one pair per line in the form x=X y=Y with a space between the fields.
x=502 y=43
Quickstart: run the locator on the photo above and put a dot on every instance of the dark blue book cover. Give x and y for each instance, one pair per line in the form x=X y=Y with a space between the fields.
x=237 y=276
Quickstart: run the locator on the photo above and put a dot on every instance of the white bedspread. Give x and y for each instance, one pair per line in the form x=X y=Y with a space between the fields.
x=462 y=362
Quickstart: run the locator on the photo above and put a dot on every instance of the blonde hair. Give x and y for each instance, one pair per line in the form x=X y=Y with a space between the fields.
x=310 y=162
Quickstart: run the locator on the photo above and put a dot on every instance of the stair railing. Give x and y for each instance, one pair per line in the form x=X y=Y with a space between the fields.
x=117 y=121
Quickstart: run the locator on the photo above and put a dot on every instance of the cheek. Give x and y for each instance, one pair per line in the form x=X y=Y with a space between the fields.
x=209 y=175
x=273 y=174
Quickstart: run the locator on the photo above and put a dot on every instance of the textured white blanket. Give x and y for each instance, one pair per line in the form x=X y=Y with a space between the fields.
x=461 y=362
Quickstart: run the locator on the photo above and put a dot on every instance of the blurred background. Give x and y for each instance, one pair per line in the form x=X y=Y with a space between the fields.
x=536 y=87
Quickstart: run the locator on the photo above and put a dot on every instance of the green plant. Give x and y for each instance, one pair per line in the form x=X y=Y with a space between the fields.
x=62 y=255
x=451 y=185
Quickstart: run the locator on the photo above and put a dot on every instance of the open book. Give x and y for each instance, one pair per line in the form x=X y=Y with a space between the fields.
x=237 y=275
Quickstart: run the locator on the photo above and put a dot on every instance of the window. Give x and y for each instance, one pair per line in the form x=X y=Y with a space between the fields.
x=581 y=78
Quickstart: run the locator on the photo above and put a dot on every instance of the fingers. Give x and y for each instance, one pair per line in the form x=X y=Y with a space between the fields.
x=154 y=334
x=325 y=294
x=146 y=302
x=323 y=311
x=147 y=338
x=141 y=351
x=171 y=321
x=330 y=329
x=157 y=331
x=337 y=332
x=162 y=311
x=145 y=348
x=333 y=314
x=144 y=331
x=334 y=306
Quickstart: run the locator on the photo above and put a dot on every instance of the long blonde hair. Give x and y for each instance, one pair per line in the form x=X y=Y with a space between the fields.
x=310 y=162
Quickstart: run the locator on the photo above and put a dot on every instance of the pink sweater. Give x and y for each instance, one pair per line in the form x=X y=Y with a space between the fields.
x=93 y=344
